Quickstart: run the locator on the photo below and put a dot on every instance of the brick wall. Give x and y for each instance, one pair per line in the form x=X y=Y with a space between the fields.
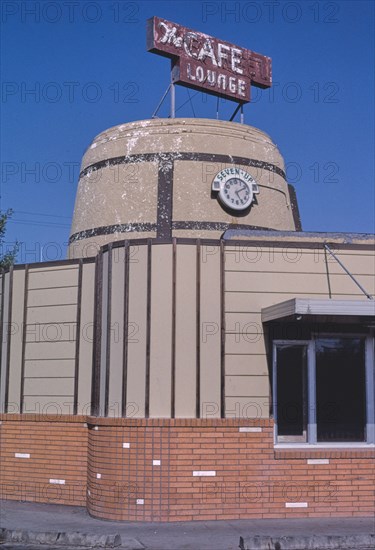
x=43 y=459
x=180 y=470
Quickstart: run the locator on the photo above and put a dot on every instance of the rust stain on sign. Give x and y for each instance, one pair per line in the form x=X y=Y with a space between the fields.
x=206 y=63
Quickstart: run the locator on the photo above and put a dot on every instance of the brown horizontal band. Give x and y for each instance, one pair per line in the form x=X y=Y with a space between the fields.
x=146 y=227
x=183 y=156
x=114 y=421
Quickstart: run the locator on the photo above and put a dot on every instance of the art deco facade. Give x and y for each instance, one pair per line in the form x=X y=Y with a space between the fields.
x=190 y=360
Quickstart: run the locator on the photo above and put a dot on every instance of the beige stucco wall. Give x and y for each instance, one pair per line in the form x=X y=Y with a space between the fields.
x=163 y=340
x=5 y=299
x=17 y=280
x=255 y=276
x=125 y=191
x=263 y=275
x=137 y=331
x=193 y=200
x=186 y=331
x=45 y=366
x=49 y=349
x=163 y=310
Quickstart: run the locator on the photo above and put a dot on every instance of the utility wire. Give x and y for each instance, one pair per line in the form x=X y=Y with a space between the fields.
x=40 y=214
x=191 y=103
x=190 y=98
x=40 y=223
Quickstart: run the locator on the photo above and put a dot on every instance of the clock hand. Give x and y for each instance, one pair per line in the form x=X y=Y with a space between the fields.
x=239 y=191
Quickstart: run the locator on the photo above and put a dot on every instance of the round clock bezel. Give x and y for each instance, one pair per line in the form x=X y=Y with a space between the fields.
x=224 y=176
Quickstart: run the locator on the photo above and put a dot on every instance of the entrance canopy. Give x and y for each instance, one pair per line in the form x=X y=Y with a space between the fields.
x=306 y=308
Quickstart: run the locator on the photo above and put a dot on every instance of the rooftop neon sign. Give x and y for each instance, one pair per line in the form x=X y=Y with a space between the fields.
x=206 y=63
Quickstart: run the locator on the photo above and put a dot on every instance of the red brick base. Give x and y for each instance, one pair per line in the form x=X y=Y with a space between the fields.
x=58 y=451
x=143 y=470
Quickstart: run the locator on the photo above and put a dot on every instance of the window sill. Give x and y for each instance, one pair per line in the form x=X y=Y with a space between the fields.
x=341 y=450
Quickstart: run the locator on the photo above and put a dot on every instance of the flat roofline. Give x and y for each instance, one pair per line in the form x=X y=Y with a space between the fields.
x=317 y=236
x=315 y=307
x=247 y=237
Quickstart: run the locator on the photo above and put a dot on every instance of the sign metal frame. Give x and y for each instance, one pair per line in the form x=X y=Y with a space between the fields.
x=207 y=64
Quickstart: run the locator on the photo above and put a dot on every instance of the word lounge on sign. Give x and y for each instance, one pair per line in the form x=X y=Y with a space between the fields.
x=207 y=64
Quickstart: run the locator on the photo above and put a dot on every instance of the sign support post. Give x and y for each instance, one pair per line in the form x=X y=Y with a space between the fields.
x=173 y=98
x=207 y=64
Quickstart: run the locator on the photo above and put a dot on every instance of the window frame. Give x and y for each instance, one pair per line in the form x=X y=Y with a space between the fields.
x=311 y=439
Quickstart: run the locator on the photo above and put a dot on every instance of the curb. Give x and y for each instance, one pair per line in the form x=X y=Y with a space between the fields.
x=76 y=539
x=312 y=542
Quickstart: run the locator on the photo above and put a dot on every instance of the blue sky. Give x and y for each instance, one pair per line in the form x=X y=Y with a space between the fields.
x=72 y=69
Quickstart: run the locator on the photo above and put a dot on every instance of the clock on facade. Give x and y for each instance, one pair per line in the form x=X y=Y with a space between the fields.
x=236 y=188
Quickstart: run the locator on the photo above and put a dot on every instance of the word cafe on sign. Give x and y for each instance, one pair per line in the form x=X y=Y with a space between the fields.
x=205 y=63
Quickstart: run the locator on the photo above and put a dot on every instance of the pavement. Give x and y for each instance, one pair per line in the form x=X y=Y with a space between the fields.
x=30 y=525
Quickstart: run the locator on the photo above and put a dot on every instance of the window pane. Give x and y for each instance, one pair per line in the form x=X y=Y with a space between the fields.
x=340 y=389
x=291 y=393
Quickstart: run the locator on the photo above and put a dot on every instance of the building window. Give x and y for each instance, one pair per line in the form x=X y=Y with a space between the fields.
x=292 y=392
x=323 y=390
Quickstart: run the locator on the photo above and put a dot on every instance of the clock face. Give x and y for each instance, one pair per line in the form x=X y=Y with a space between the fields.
x=235 y=188
x=236 y=194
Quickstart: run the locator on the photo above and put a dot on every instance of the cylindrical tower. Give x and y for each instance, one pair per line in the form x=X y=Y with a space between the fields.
x=154 y=179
